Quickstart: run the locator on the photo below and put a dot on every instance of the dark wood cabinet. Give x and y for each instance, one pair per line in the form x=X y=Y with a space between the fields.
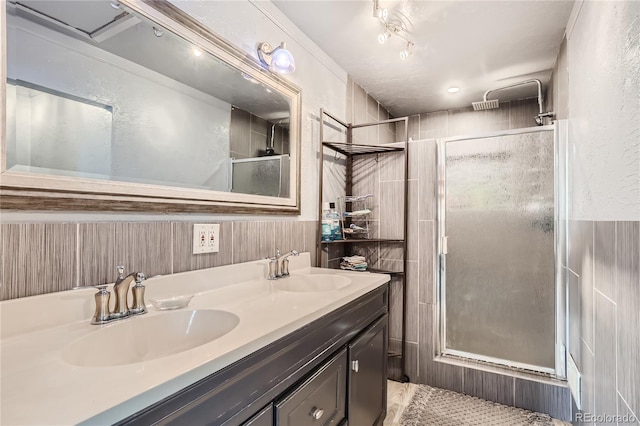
x=367 y=403
x=319 y=400
x=263 y=418
x=289 y=381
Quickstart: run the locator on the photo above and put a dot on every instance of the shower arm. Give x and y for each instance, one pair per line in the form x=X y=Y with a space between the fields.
x=520 y=84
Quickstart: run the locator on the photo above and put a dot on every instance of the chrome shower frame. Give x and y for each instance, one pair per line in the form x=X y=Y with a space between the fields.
x=560 y=202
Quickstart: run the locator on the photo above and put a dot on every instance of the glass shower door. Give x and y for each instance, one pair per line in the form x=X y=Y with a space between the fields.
x=498 y=273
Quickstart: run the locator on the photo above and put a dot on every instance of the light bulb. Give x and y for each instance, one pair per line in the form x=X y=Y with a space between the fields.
x=404 y=54
x=453 y=89
x=115 y=5
x=157 y=31
x=383 y=37
x=383 y=13
x=196 y=52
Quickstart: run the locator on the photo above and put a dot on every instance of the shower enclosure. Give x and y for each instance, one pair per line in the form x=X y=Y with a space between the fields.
x=497 y=248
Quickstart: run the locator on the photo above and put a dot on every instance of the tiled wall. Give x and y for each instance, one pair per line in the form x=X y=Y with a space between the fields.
x=383 y=176
x=41 y=258
x=248 y=135
x=421 y=275
x=603 y=276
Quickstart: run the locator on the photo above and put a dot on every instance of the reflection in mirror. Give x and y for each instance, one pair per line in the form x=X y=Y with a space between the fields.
x=102 y=93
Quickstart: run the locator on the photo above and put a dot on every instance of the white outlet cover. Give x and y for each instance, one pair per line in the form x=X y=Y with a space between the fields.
x=206 y=238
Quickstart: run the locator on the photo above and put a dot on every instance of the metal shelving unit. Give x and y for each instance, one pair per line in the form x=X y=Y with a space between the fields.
x=351 y=151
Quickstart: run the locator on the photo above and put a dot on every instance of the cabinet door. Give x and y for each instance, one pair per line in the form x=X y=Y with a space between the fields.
x=319 y=400
x=263 y=418
x=368 y=376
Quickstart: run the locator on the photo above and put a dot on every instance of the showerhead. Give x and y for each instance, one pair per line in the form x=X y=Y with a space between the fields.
x=482 y=105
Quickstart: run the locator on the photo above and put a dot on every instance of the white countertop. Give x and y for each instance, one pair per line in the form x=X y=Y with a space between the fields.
x=39 y=387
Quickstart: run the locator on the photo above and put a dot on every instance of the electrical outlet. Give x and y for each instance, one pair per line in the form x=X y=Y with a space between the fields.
x=206 y=238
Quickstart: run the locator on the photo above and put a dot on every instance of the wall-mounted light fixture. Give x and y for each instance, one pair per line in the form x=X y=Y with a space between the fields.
x=389 y=29
x=278 y=59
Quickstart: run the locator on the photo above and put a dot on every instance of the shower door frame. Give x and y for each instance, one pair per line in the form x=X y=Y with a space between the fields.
x=442 y=352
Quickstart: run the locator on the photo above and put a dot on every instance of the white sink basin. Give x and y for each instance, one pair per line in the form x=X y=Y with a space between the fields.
x=146 y=338
x=312 y=283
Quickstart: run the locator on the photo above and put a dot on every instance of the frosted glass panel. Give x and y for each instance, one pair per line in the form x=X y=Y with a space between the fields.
x=261 y=175
x=499 y=220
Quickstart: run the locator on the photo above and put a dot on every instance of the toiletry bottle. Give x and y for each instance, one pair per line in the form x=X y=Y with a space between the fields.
x=326 y=222
x=336 y=232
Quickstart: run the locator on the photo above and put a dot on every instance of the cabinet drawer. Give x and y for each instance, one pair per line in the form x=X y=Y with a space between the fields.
x=319 y=400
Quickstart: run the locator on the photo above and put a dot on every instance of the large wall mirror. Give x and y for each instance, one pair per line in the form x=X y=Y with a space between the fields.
x=136 y=106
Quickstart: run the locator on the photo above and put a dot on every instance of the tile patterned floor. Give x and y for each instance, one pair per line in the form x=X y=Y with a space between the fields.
x=399 y=396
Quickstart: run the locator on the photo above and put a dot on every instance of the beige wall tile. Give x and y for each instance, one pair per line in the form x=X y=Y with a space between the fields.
x=144 y=247
x=392 y=209
x=38 y=258
x=253 y=241
x=96 y=251
x=289 y=235
x=183 y=257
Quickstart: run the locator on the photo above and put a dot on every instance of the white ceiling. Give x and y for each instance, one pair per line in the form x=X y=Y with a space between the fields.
x=475 y=45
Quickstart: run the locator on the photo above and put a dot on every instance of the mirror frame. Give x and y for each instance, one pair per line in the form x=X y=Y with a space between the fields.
x=24 y=191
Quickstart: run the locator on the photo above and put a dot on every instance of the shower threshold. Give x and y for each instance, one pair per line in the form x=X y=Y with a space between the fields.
x=488 y=363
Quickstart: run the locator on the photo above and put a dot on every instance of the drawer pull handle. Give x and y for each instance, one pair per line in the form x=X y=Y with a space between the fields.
x=317 y=413
x=355 y=366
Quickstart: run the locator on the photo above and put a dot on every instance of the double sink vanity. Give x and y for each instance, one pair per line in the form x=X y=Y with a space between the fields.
x=310 y=348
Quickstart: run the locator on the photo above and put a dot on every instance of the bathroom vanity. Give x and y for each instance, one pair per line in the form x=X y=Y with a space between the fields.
x=307 y=349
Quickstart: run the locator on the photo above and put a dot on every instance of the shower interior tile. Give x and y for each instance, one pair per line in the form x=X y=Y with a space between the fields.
x=522 y=113
x=239 y=132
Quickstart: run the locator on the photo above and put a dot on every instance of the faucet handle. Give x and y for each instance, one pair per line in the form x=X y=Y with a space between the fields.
x=120 y=269
x=140 y=277
x=277 y=252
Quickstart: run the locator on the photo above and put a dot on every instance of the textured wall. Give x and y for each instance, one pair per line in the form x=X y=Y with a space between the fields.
x=604 y=106
x=602 y=263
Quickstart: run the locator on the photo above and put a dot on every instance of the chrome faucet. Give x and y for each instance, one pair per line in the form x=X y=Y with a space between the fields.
x=103 y=314
x=121 y=291
x=279 y=265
